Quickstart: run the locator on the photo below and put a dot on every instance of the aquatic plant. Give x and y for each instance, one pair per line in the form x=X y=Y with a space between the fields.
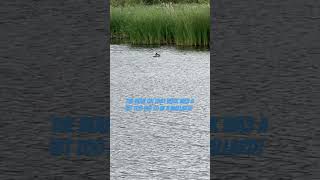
x=180 y=24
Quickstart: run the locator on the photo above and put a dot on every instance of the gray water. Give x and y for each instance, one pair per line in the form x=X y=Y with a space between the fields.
x=159 y=145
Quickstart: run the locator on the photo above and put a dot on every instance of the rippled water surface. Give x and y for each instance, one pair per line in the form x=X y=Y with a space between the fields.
x=159 y=145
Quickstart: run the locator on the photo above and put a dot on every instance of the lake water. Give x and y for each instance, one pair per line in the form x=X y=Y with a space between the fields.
x=159 y=145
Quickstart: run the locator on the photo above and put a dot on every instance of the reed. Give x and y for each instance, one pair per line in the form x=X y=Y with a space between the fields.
x=180 y=24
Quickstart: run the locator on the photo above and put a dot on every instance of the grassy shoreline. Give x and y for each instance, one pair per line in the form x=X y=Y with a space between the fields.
x=179 y=24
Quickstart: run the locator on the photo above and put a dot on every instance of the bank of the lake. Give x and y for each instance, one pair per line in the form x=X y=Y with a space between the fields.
x=179 y=24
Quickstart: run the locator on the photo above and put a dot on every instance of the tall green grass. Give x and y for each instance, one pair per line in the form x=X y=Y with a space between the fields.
x=149 y=2
x=180 y=24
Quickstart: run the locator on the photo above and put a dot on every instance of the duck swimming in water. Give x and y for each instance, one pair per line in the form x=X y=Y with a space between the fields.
x=156 y=55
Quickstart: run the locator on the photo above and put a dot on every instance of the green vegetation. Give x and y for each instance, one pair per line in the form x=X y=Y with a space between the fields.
x=180 y=24
x=149 y=2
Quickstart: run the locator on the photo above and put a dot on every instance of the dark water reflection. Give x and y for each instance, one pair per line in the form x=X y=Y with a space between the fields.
x=184 y=48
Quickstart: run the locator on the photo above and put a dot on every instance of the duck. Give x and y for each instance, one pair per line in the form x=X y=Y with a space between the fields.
x=156 y=55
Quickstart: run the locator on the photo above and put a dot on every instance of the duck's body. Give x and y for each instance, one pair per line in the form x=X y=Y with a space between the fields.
x=156 y=55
